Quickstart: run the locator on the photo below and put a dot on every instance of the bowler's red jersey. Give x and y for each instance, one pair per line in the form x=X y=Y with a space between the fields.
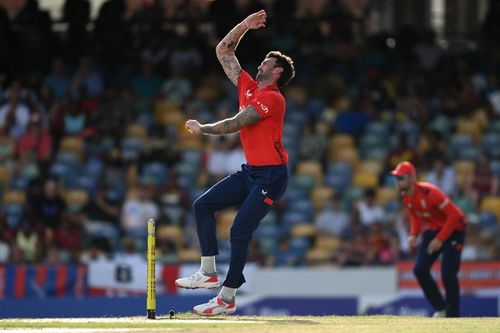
x=430 y=208
x=262 y=141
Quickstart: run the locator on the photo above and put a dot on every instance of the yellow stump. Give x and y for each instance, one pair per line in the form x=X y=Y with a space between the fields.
x=151 y=283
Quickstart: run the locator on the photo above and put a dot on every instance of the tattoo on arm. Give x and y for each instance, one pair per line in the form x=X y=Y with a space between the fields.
x=244 y=118
x=225 y=51
x=231 y=67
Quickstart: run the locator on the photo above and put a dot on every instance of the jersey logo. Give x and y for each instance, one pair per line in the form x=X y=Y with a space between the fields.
x=263 y=107
x=423 y=203
x=248 y=94
x=264 y=192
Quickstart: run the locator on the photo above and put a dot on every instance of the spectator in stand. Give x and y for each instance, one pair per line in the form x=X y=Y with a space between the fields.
x=226 y=157
x=483 y=182
x=102 y=216
x=4 y=251
x=402 y=152
x=351 y=121
x=443 y=176
x=102 y=208
x=58 y=81
x=283 y=254
x=138 y=207
x=353 y=252
x=75 y=120
x=435 y=149
x=412 y=104
x=35 y=143
x=167 y=252
x=177 y=88
x=382 y=249
x=49 y=207
x=428 y=52
x=314 y=142
x=368 y=211
x=28 y=242
x=146 y=84
x=92 y=253
x=69 y=236
x=494 y=95
x=15 y=114
x=333 y=220
x=7 y=147
x=88 y=78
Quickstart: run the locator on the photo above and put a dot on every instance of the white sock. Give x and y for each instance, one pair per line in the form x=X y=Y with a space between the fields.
x=208 y=265
x=228 y=294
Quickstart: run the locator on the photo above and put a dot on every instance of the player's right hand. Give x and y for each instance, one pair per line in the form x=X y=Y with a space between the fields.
x=256 y=20
x=412 y=241
x=193 y=126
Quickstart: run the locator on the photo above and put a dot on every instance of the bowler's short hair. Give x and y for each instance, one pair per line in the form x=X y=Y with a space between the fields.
x=284 y=62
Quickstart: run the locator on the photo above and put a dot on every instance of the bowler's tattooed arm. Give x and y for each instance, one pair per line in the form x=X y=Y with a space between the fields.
x=244 y=118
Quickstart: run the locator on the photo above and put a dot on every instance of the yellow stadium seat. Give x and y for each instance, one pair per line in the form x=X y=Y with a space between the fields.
x=365 y=180
x=340 y=141
x=14 y=197
x=4 y=176
x=348 y=155
x=386 y=194
x=189 y=255
x=370 y=166
x=303 y=230
x=167 y=113
x=136 y=131
x=76 y=197
x=296 y=94
x=469 y=126
x=225 y=220
x=320 y=196
x=480 y=116
x=132 y=175
x=209 y=90
x=311 y=168
x=72 y=144
x=328 y=243
x=318 y=256
x=171 y=232
x=491 y=204
x=463 y=171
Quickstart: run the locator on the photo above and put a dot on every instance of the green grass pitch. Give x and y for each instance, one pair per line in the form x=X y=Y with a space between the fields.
x=245 y=324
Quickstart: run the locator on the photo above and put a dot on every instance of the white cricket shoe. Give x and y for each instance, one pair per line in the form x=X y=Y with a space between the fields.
x=439 y=314
x=198 y=280
x=215 y=307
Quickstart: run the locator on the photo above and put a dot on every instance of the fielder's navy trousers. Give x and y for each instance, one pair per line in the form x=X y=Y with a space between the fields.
x=255 y=190
x=450 y=265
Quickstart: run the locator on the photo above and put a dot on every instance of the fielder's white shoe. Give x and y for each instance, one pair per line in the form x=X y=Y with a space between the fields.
x=198 y=280
x=215 y=307
x=439 y=314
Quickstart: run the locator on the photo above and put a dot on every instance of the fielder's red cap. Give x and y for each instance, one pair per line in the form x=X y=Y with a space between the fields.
x=404 y=168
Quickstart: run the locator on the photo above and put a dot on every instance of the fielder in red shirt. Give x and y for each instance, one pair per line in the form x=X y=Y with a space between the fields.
x=442 y=226
x=261 y=181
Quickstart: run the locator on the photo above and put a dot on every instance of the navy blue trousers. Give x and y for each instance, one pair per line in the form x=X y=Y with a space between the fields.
x=450 y=265
x=254 y=189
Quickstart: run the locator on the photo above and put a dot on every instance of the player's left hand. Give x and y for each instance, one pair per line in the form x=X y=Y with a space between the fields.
x=256 y=20
x=193 y=126
x=434 y=246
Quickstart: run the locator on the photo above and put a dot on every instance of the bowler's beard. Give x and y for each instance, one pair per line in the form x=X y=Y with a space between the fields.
x=261 y=76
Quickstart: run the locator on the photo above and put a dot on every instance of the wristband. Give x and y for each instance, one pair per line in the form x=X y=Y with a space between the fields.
x=245 y=20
